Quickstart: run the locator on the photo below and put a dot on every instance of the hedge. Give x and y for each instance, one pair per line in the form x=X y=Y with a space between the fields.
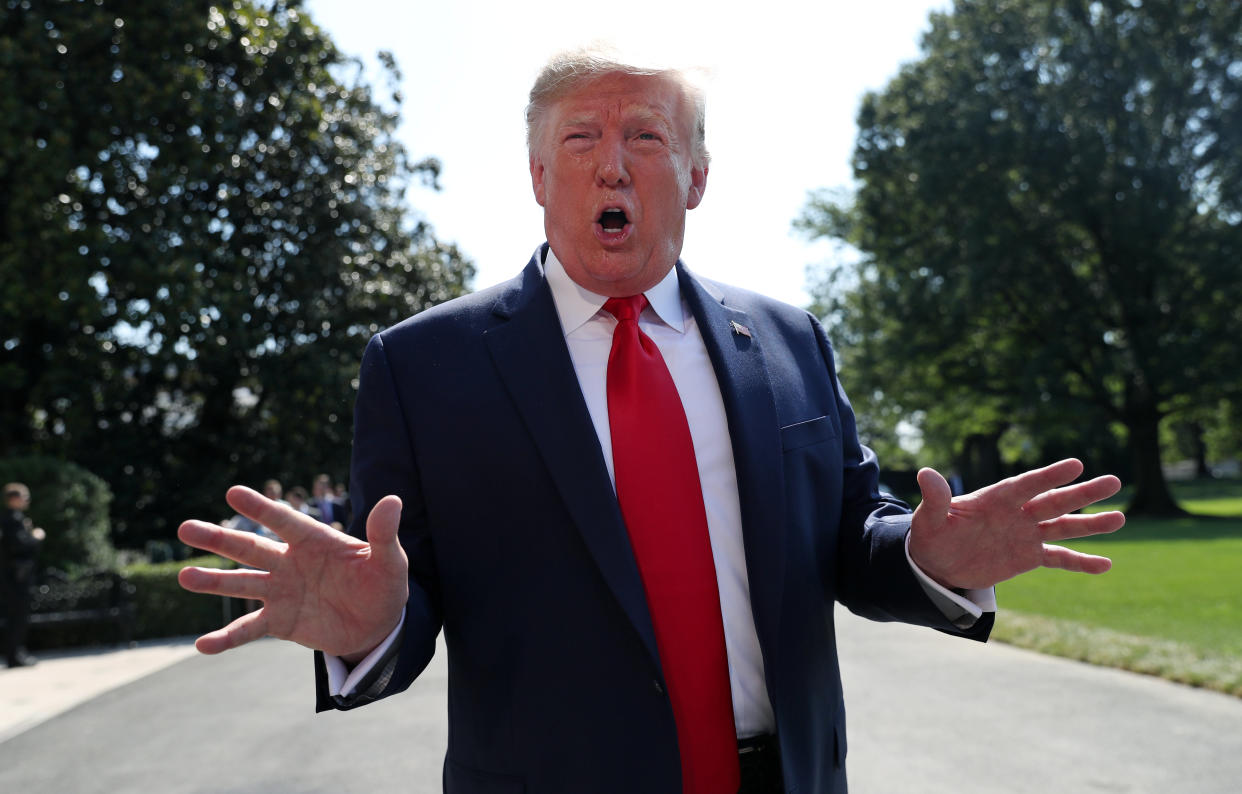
x=162 y=609
x=167 y=610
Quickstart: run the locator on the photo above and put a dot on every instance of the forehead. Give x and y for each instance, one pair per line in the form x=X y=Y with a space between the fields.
x=623 y=95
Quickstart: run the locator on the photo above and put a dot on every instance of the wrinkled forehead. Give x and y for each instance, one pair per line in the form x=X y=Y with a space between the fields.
x=655 y=97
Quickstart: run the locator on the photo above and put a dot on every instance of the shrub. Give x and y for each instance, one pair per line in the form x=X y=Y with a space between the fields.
x=161 y=609
x=166 y=610
x=71 y=504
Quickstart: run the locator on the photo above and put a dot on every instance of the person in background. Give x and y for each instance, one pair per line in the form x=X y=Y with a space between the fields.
x=331 y=512
x=342 y=498
x=299 y=500
x=19 y=546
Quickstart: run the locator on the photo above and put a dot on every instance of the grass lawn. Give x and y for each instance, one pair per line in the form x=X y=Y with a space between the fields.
x=1171 y=606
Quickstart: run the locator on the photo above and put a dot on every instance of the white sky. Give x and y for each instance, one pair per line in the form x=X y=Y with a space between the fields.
x=787 y=80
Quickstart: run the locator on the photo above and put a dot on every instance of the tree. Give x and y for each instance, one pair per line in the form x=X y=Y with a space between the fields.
x=1049 y=215
x=202 y=220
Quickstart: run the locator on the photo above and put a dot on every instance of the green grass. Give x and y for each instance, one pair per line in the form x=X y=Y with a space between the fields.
x=1171 y=605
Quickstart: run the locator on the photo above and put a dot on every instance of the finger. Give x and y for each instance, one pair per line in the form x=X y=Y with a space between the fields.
x=286 y=522
x=244 y=547
x=1082 y=525
x=247 y=628
x=936 y=494
x=1060 y=501
x=1026 y=486
x=234 y=584
x=1069 y=560
x=382 y=527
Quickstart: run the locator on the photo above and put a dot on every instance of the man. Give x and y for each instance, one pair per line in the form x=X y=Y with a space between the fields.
x=573 y=473
x=299 y=500
x=19 y=545
x=331 y=512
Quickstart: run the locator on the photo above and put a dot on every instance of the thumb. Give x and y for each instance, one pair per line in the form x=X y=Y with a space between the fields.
x=936 y=496
x=382 y=526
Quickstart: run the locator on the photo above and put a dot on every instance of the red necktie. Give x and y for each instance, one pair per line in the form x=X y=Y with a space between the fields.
x=662 y=504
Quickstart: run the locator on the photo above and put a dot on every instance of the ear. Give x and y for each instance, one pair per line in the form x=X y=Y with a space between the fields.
x=698 y=185
x=536 y=180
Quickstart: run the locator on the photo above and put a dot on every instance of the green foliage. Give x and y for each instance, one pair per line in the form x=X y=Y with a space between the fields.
x=202 y=220
x=1175 y=661
x=71 y=505
x=1049 y=221
x=1169 y=606
x=1172 y=578
x=165 y=609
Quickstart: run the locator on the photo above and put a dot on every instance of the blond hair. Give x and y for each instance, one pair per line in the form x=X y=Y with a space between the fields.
x=571 y=69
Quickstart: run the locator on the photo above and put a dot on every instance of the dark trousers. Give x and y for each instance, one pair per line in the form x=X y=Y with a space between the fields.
x=15 y=593
x=760 y=761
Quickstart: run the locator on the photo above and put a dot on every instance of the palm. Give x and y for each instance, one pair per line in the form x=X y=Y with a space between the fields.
x=324 y=589
x=982 y=538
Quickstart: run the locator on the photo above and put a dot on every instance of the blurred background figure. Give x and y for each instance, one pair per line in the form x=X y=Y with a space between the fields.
x=272 y=489
x=299 y=500
x=342 y=498
x=19 y=546
x=330 y=510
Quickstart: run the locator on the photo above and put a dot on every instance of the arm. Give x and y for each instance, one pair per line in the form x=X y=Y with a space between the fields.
x=329 y=590
x=321 y=588
x=968 y=543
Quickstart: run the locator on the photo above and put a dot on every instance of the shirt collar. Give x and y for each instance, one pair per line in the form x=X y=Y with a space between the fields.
x=575 y=305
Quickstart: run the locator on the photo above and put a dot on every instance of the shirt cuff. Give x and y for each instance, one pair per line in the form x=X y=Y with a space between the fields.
x=341 y=680
x=962 y=607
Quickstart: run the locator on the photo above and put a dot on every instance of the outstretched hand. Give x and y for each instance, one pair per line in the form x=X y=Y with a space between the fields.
x=321 y=588
x=979 y=539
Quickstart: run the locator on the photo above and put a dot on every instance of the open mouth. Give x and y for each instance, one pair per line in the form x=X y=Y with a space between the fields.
x=613 y=221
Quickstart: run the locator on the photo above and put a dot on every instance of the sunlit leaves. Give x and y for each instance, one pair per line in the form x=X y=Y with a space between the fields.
x=1049 y=212
x=196 y=201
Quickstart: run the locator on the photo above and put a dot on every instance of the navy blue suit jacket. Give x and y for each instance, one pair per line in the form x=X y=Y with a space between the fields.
x=472 y=414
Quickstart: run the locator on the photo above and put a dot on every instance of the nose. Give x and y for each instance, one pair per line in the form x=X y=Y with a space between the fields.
x=610 y=168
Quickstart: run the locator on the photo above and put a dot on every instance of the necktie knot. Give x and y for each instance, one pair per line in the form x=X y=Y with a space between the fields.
x=627 y=308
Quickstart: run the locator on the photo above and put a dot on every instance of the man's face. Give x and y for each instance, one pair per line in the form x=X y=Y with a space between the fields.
x=615 y=173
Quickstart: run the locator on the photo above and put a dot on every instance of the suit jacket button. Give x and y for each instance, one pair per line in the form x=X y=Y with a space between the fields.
x=659 y=688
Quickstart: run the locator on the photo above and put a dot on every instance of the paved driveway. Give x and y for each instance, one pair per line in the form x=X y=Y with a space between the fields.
x=926 y=713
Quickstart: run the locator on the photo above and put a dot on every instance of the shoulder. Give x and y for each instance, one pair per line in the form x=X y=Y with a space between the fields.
x=467 y=317
x=769 y=312
x=466 y=313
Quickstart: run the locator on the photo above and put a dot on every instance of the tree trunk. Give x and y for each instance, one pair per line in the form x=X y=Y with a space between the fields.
x=980 y=462
x=1151 y=491
x=1202 y=470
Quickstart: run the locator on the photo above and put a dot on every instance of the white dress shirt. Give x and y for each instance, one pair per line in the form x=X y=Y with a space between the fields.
x=669 y=323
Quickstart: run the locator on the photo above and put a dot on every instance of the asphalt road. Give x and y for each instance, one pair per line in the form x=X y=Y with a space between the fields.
x=926 y=714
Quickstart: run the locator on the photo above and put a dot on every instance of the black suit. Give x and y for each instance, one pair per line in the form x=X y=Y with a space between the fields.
x=471 y=412
x=18 y=551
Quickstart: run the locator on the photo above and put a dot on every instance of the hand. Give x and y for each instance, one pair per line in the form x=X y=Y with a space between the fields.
x=981 y=538
x=324 y=589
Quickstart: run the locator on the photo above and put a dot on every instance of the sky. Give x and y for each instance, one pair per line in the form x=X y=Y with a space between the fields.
x=785 y=81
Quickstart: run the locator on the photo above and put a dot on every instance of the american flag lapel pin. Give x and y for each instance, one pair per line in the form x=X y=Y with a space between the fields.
x=739 y=329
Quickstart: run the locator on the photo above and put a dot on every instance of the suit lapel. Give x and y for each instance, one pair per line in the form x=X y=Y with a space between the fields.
x=737 y=356
x=529 y=350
